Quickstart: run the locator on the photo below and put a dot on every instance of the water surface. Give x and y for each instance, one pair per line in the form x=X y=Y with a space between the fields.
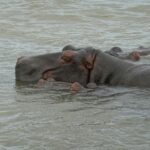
x=51 y=118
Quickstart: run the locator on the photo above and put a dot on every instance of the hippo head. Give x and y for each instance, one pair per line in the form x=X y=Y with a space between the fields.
x=69 y=65
x=76 y=66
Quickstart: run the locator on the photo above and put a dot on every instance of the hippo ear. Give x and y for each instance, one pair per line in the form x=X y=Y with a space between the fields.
x=141 y=47
x=116 y=49
x=89 y=61
x=69 y=47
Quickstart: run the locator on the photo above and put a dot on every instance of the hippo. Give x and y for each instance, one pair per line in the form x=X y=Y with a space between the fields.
x=134 y=55
x=32 y=69
x=105 y=69
x=118 y=52
x=84 y=66
x=114 y=51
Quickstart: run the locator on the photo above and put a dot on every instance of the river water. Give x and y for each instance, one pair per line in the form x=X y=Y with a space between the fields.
x=108 y=118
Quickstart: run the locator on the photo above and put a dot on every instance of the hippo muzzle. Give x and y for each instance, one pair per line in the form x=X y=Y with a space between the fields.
x=30 y=69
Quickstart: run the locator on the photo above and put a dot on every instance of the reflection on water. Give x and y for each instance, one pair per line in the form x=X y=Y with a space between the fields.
x=51 y=117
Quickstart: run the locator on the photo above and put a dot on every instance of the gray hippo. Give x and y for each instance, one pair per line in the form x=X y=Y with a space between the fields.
x=85 y=65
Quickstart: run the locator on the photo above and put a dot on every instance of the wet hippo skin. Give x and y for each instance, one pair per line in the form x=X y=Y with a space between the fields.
x=134 y=55
x=53 y=65
x=113 y=71
x=82 y=65
x=30 y=69
x=50 y=66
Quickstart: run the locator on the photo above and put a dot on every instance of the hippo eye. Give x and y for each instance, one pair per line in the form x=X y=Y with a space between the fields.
x=31 y=72
x=68 y=55
x=66 y=59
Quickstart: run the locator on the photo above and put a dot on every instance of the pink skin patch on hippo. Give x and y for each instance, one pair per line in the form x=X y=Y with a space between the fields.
x=41 y=83
x=135 y=56
x=67 y=56
x=47 y=75
x=75 y=87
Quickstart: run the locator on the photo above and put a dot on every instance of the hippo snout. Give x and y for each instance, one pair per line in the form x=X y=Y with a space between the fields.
x=26 y=70
x=30 y=69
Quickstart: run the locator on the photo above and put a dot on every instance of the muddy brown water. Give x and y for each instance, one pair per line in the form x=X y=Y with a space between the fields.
x=50 y=118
